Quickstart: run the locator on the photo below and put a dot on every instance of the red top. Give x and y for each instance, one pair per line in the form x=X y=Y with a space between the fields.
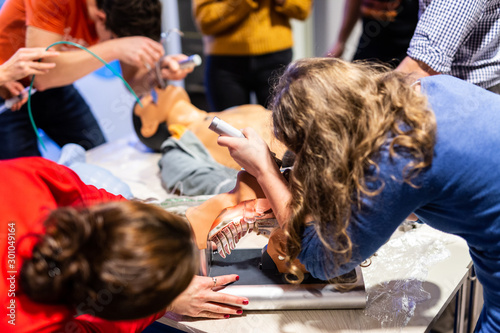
x=29 y=189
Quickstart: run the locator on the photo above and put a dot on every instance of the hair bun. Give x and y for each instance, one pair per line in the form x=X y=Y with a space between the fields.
x=58 y=258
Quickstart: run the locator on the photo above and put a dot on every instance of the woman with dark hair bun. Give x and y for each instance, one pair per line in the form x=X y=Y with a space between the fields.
x=77 y=258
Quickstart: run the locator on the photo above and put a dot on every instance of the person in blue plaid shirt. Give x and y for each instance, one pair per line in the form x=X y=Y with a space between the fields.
x=459 y=38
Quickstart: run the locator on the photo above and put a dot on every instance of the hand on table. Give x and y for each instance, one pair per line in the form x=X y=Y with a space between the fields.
x=203 y=299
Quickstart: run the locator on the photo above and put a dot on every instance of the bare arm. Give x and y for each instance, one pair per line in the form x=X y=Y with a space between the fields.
x=253 y=154
x=352 y=13
x=73 y=65
x=203 y=299
x=25 y=62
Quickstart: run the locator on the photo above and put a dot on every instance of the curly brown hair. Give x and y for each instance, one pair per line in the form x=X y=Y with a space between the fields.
x=335 y=116
x=117 y=260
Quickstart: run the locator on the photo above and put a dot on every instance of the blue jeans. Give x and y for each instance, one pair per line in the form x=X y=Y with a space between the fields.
x=229 y=80
x=61 y=112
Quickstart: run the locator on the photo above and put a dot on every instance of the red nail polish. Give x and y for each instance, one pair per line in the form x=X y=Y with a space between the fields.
x=237 y=278
x=227 y=316
x=239 y=311
x=245 y=302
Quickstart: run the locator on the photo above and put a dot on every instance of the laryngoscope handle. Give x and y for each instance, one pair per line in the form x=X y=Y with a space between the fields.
x=220 y=127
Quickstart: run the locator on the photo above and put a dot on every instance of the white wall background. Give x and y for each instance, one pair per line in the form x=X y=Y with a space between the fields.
x=315 y=36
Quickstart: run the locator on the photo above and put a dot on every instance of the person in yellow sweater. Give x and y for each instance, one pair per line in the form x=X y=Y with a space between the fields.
x=245 y=43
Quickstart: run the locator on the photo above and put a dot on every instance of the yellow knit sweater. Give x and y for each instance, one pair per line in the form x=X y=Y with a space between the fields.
x=247 y=27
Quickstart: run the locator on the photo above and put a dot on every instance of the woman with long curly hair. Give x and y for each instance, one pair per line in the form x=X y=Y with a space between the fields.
x=371 y=149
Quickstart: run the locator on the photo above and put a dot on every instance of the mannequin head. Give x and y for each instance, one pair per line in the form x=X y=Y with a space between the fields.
x=171 y=106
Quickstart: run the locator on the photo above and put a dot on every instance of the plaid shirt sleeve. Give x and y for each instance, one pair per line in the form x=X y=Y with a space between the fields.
x=443 y=27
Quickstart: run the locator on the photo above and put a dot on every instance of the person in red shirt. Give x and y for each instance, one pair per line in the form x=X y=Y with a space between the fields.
x=128 y=31
x=77 y=258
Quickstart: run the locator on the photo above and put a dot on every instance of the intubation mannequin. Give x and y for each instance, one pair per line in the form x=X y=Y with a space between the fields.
x=226 y=217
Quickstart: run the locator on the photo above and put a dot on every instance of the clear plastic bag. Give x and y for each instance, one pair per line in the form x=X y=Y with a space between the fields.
x=406 y=258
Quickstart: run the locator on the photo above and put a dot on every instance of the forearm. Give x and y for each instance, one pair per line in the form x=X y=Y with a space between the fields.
x=276 y=190
x=73 y=65
x=352 y=13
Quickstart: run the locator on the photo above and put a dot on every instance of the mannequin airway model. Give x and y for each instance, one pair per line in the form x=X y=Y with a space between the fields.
x=226 y=217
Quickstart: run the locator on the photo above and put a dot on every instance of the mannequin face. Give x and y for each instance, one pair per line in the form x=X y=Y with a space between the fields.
x=172 y=106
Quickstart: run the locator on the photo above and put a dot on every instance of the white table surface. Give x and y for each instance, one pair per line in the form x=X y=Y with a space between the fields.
x=442 y=281
x=440 y=276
